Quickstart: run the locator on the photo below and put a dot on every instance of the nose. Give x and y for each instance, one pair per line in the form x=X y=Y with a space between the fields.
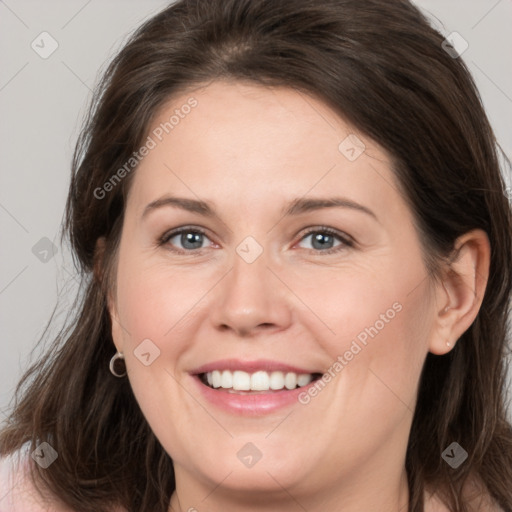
x=251 y=299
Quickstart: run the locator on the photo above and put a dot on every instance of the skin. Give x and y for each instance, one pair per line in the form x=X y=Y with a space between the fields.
x=249 y=150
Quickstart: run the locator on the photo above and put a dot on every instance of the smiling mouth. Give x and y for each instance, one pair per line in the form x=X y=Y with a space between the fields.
x=241 y=382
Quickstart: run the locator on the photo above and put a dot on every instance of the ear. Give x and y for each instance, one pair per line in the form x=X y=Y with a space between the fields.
x=99 y=275
x=460 y=294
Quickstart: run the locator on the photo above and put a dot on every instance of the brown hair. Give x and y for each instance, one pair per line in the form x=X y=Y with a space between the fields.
x=382 y=67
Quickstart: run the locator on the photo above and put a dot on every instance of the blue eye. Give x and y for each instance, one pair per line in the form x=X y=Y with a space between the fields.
x=323 y=239
x=191 y=239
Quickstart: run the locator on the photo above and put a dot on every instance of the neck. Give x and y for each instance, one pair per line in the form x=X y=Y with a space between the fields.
x=368 y=492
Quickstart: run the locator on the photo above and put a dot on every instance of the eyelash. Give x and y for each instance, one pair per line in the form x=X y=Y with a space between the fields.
x=347 y=242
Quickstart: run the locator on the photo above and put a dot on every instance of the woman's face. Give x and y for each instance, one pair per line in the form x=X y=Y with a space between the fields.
x=255 y=292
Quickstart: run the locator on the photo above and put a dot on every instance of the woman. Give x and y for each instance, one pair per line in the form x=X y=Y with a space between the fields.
x=333 y=338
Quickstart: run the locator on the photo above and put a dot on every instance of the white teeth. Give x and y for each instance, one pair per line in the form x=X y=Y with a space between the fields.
x=290 y=381
x=276 y=380
x=241 y=380
x=258 y=381
x=226 y=380
x=304 y=379
x=216 y=379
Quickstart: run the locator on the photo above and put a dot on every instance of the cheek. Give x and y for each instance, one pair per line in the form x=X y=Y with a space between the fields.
x=153 y=301
x=379 y=329
x=146 y=306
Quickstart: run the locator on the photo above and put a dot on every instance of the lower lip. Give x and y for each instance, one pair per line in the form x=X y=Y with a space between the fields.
x=250 y=404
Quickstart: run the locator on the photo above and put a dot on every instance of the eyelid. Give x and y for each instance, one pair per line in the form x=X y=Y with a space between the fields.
x=326 y=229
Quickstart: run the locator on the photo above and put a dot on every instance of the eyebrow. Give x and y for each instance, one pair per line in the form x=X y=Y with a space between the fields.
x=295 y=207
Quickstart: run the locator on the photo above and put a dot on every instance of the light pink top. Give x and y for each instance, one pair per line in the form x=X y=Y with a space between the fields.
x=17 y=494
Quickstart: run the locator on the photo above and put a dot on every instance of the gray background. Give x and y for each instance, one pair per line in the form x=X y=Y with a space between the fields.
x=42 y=103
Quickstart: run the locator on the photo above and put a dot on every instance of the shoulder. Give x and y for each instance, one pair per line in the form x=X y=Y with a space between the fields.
x=17 y=492
x=478 y=499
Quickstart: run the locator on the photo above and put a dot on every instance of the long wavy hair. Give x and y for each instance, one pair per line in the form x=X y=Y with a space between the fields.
x=382 y=67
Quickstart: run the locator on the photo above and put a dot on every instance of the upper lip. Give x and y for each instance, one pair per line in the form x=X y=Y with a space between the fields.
x=250 y=366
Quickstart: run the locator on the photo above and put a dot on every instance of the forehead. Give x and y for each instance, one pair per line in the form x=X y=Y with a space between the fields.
x=249 y=141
